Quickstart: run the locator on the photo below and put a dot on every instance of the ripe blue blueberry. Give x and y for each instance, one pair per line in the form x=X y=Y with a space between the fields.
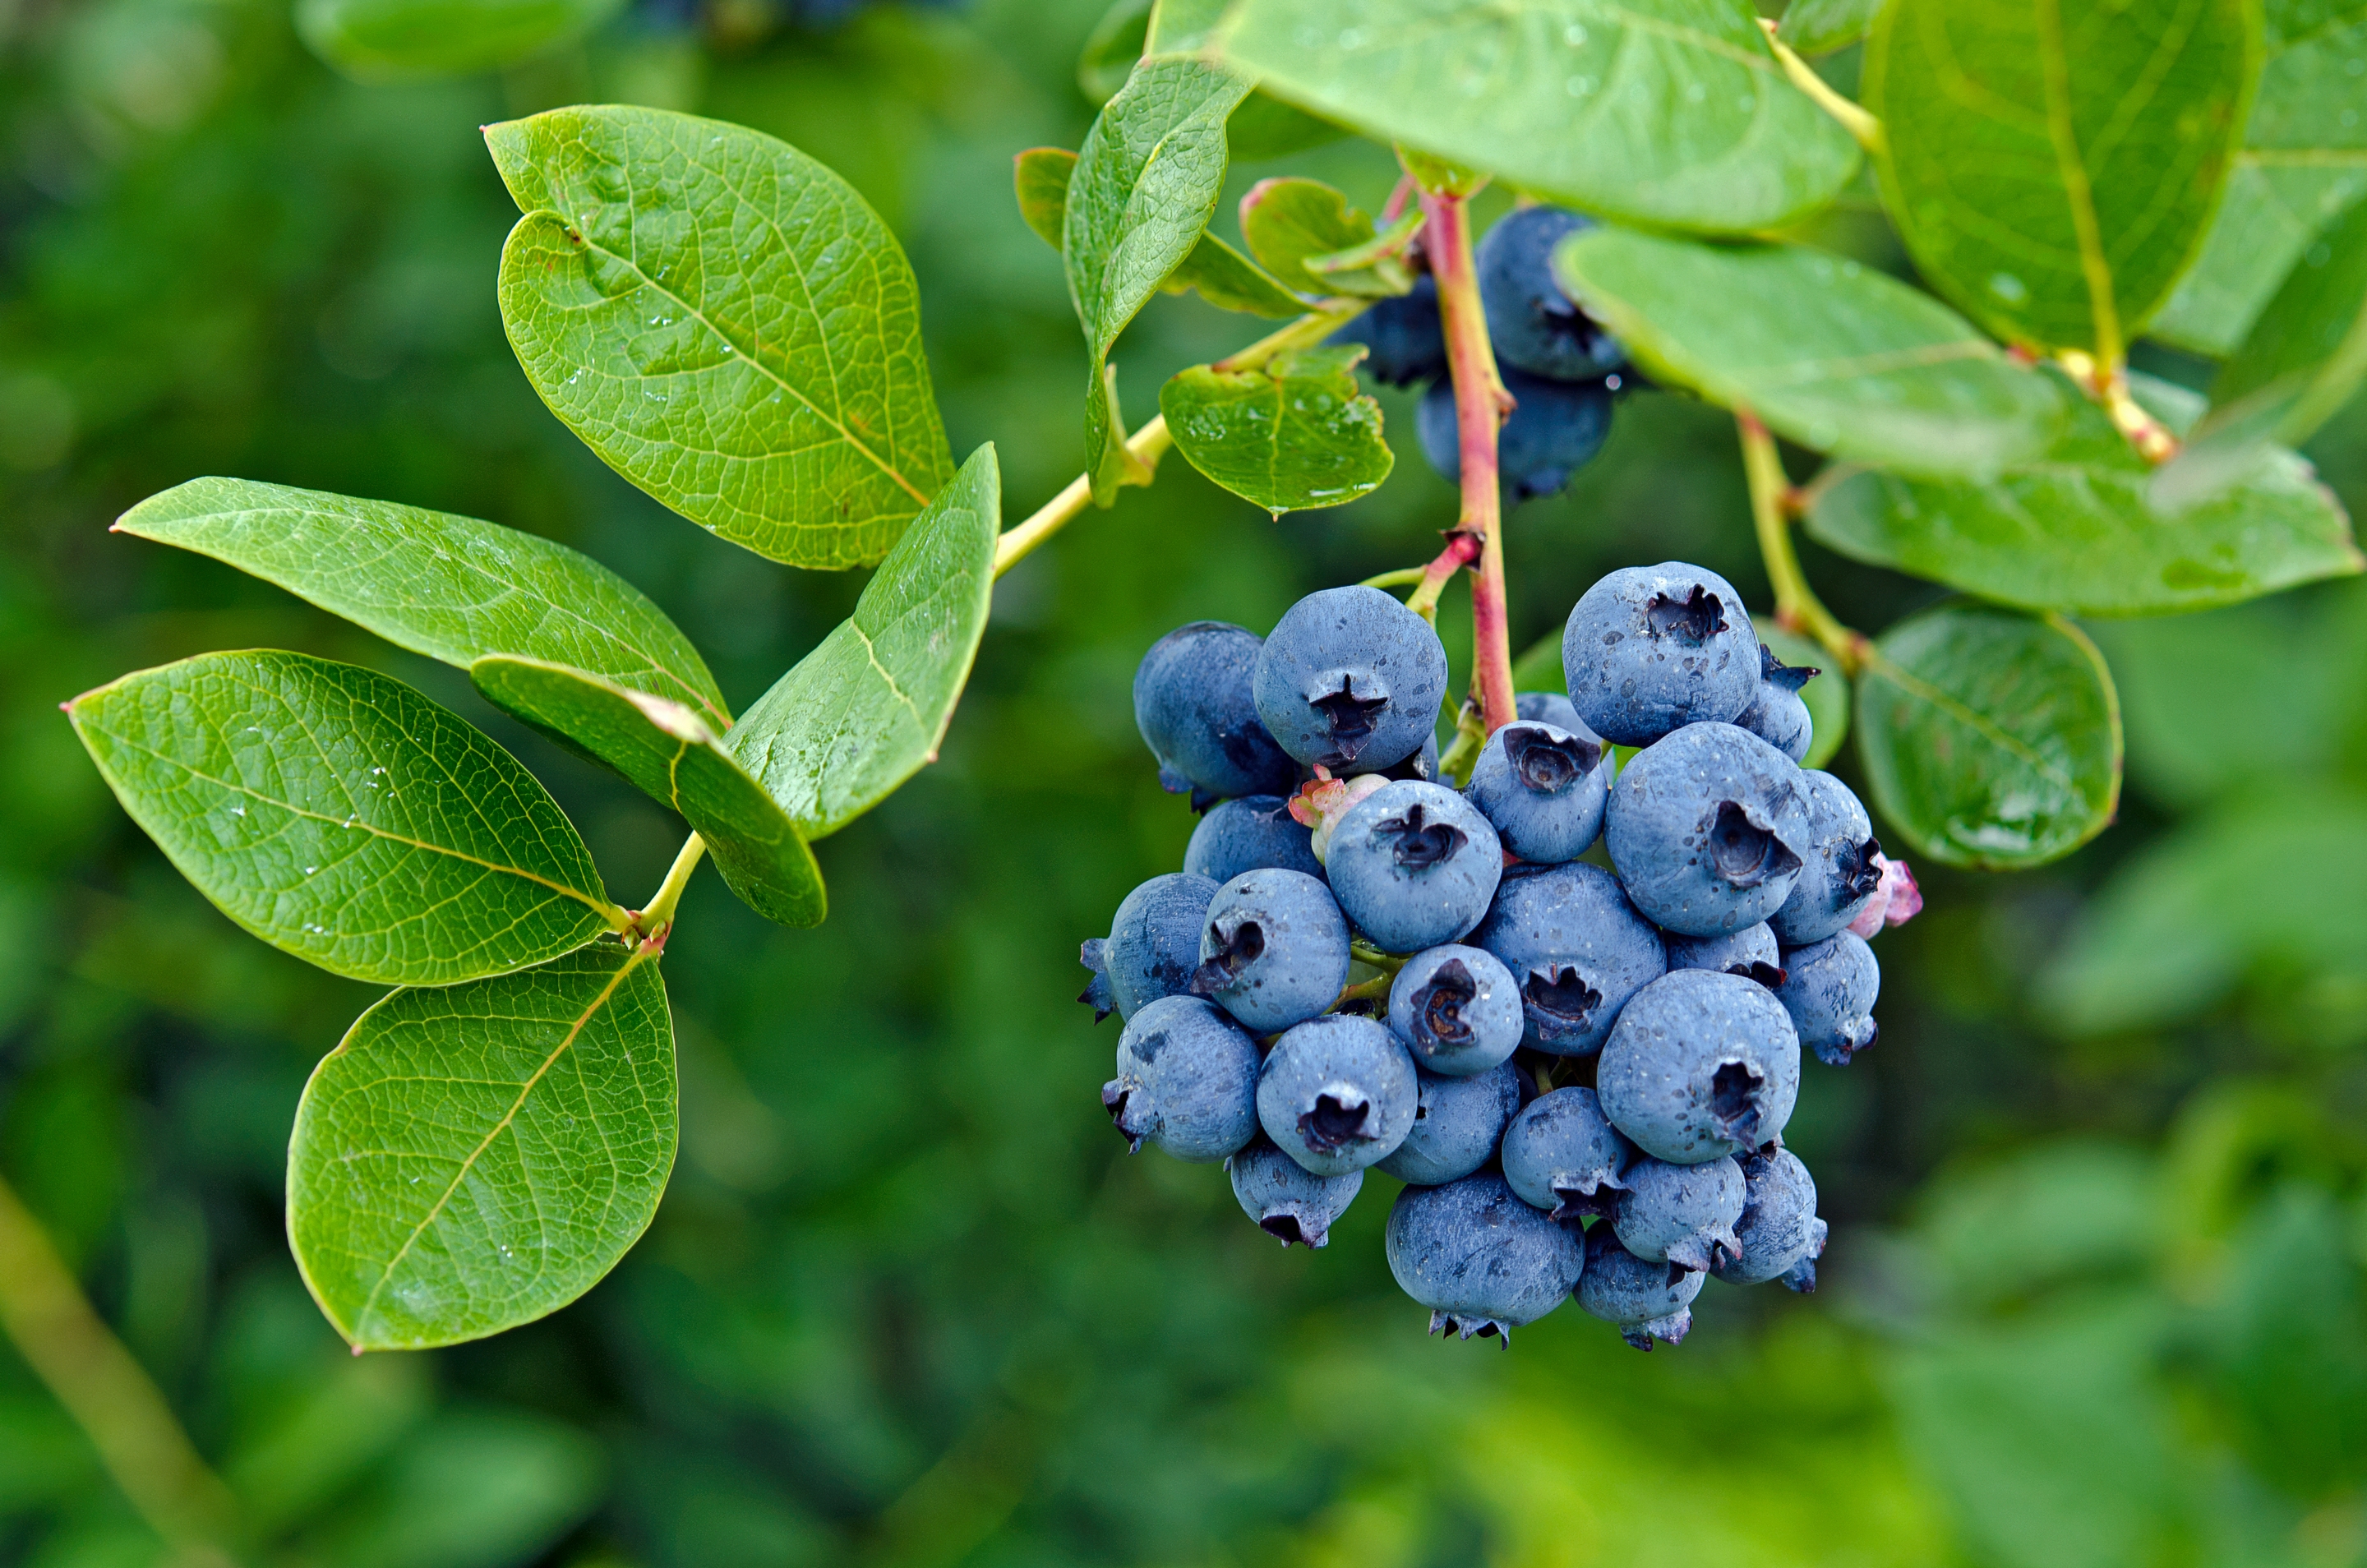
x=1193 y=703
x=1483 y=1261
x=1186 y=1080
x=1457 y=1009
x=1534 y=326
x=1707 y=829
x=1550 y=707
x=1841 y=864
x=1650 y=648
x=1456 y=1125
x=1562 y=1154
x=1351 y=679
x=1338 y=1094
x=1701 y=1065
x=1776 y=714
x=1286 y=1202
x=1830 y=988
x=1274 y=949
x=1404 y=333
x=1544 y=788
x=1555 y=429
x=1682 y=1215
x=1255 y=832
x=1750 y=951
x=1649 y=1299
x=1782 y=1237
x=1153 y=946
x=1577 y=948
x=1413 y=864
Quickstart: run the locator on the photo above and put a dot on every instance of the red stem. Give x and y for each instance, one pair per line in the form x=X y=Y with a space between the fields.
x=1461 y=550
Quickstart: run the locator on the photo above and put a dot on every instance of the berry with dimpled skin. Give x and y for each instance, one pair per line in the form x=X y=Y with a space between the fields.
x=1153 y=945
x=1413 y=864
x=1194 y=706
x=1577 y=948
x=1404 y=333
x=1544 y=788
x=1841 y=867
x=1483 y=1261
x=1648 y=1299
x=1287 y=1203
x=1351 y=679
x=1776 y=715
x=1682 y=1215
x=1562 y=1154
x=1457 y=1009
x=1700 y=1065
x=1186 y=1081
x=1253 y=833
x=1555 y=429
x=1534 y=325
x=1456 y=1126
x=1274 y=949
x=1550 y=707
x=1782 y=1237
x=1750 y=953
x=1651 y=649
x=1708 y=829
x=1829 y=989
x=1338 y=1094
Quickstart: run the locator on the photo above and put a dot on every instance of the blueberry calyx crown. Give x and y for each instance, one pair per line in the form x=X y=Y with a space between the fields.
x=1285 y=1227
x=1334 y=1123
x=1735 y=1092
x=1422 y=839
x=1465 y=1324
x=1097 y=994
x=1548 y=763
x=1768 y=975
x=1439 y=1004
x=1115 y=1095
x=1745 y=852
x=1595 y=1203
x=1352 y=718
x=1692 y=620
x=1859 y=869
x=1791 y=677
x=1562 y=992
x=1236 y=950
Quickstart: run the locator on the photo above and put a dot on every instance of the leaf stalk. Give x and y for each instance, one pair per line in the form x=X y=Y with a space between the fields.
x=1853 y=116
x=1797 y=608
x=652 y=925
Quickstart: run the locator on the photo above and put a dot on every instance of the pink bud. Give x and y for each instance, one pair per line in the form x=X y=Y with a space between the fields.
x=1896 y=901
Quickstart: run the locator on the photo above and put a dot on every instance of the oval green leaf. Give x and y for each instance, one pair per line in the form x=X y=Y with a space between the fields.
x=725 y=322
x=340 y=816
x=1230 y=281
x=1291 y=222
x=1828 y=694
x=1991 y=738
x=1297 y=433
x=472 y=1158
x=375 y=41
x=1039 y=177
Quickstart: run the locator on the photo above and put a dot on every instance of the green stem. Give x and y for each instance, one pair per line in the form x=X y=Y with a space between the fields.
x=1405 y=576
x=1461 y=752
x=1797 y=608
x=1364 y=952
x=1853 y=116
x=651 y=925
x=1369 y=991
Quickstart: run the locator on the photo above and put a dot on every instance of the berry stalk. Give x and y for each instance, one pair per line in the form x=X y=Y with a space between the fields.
x=1797 y=608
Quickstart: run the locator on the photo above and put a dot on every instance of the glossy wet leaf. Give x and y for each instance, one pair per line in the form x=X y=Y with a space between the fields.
x=1670 y=112
x=1294 y=433
x=472 y=1158
x=342 y=817
x=1230 y=281
x=2052 y=167
x=1821 y=27
x=1290 y=221
x=1824 y=349
x=381 y=40
x=1040 y=176
x=669 y=753
x=865 y=711
x=1828 y=694
x=452 y=588
x=725 y=322
x=1990 y=739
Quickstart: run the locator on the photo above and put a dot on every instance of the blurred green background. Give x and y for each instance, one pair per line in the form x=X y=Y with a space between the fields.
x=2094 y=1292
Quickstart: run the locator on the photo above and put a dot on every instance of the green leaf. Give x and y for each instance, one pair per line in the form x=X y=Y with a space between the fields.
x=1182 y=27
x=1667 y=112
x=866 y=710
x=1111 y=48
x=1230 y=281
x=474 y=1157
x=1296 y=432
x=451 y=588
x=2052 y=168
x=1827 y=696
x=375 y=41
x=2308 y=353
x=1145 y=182
x=1991 y=738
x=1821 y=27
x=1264 y=128
x=1290 y=222
x=1041 y=177
x=342 y=817
x=1538 y=669
x=1824 y=349
x=668 y=751
x=725 y=322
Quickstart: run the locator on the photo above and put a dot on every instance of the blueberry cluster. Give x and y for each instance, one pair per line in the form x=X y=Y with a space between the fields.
x=1581 y=1072
x=1559 y=366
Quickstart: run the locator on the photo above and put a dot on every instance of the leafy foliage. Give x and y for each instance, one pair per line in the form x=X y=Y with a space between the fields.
x=378 y=40
x=1821 y=27
x=1294 y=432
x=1302 y=230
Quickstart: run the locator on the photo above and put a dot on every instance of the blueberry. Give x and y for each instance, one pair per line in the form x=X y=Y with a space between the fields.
x=1840 y=869
x=1456 y=1124
x=1413 y=864
x=1776 y=714
x=1708 y=829
x=1193 y=703
x=1483 y=1261
x=1287 y=1203
x=1153 y=946
x=1255 y=832
x=1555 y=429
x=1828 y=989
x=1650 y=648
x=1338 y=1094
x=1750 y=953
x=1682 y=1215
x=1274 y=949
x=1701 y=1065
x=1457 y=1009
x=1782 y=1237
x=1577 y=948
x=1351 y=679
x=1549 y=707
x=1544 y=788
x=1407 y=338
x=1648 y=1299
x=1534 y=326
x=1561 y=1154
x=1186 y=1080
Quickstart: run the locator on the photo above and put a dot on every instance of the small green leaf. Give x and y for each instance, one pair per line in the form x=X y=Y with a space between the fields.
x=2052 y=168
x=474 y=1157
x=451 y=588
x=1821 y=27
x=342 y=817
x=1182 y=27
x=669 y=752
x=866 y=710
x=1827 y=696
x=1291 y=221
x=1041 y=176
x=1230 y=281
x=725 y=322
x=1991 y=738
x=1112 y=48
x=374 y=41
x=1294 y=434
x=1668 y=112
x=1825 y=350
